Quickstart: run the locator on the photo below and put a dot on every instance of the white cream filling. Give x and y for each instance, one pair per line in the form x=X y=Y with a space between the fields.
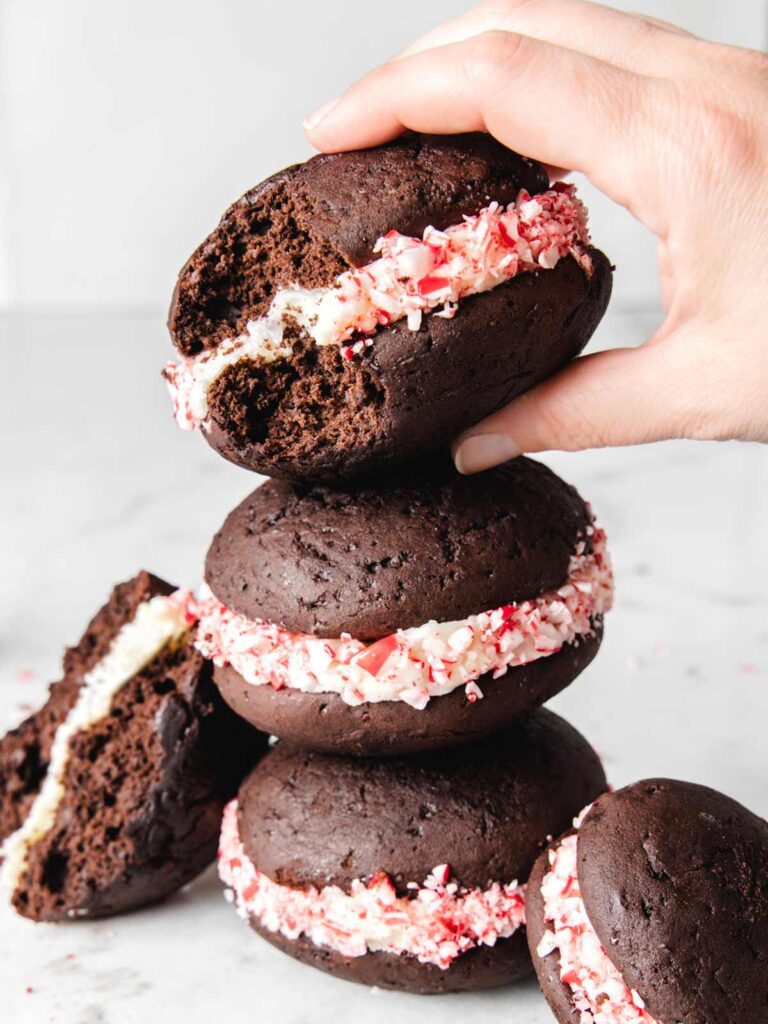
x=158 y=622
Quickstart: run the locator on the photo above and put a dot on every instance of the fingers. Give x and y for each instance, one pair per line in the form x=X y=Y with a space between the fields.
x=678 y=388
x=639 y=44
x=484 y=18
x=556 y=173
x=598 y=401
x=558 y=106
x=668 y=26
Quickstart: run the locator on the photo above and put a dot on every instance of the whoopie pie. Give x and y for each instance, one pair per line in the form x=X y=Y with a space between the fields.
x=654 y=910
x=111 y=794
x=414 y=613
x=409 y=872
x=362 y=308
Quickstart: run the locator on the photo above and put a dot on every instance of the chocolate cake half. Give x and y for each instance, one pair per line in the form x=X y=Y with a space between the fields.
x=112 y=792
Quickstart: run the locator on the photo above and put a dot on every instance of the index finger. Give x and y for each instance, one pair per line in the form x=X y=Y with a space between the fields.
x=633 y=41
x=558 y=106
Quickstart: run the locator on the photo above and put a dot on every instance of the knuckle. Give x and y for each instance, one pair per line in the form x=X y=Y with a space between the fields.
x=714 y=123
x=730 y=137
x=748 y=62
x=701 y=425
x=496 y=51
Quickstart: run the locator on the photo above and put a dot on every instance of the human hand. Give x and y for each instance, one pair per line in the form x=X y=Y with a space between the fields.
x=671 y=127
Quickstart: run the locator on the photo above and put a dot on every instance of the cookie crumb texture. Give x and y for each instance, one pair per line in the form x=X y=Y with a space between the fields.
x=144 y=787
x=321 y=415
x=369 y=560
x=24 y=751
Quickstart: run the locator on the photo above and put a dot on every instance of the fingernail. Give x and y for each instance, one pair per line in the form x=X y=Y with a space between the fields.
x=315 y=118
x=481 y=451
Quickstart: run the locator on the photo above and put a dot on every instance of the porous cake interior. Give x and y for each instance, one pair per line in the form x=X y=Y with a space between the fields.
x=264 y=241
x=110 y=773
x=315 y=398
x=24 y=751
x=24 y=754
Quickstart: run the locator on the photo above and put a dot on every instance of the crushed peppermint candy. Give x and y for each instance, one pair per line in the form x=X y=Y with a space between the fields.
x=413 y=665
x=598 y=991
x=411 y=277
x=436 y=922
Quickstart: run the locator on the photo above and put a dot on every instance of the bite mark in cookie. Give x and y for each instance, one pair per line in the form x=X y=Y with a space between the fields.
x=411 y=277
x=309 y=351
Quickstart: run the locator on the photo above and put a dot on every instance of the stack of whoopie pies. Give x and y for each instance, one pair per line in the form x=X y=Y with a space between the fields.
x=396 y=625
x=420 y=822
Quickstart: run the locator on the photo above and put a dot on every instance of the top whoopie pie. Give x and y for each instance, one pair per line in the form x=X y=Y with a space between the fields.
x=654 y=910
x=418 y=612
x=362 y=308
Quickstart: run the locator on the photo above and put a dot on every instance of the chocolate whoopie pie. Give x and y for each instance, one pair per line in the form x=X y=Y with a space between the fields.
x=112 y=792
x=416 y=613
x=408 y=873
x=654 y=910
x=362 y=308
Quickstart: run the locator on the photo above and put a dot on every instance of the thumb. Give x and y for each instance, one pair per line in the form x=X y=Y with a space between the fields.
x=618 y=397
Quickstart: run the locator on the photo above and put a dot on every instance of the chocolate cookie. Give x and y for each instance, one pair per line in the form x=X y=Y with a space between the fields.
x=654 y=910
x=112 y=792
x=362 y=308
x=416 y=613
x=405 y=873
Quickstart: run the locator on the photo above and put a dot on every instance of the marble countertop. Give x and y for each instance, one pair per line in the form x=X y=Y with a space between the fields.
x=97 y=482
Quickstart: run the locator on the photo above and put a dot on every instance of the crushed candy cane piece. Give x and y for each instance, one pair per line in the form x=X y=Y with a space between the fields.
x=413 y=665
x=598 y=991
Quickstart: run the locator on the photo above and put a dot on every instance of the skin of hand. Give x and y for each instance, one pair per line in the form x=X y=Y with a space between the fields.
x=671 y=127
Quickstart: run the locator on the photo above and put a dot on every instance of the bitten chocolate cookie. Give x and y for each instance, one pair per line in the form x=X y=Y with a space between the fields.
x=112 y=793
x=407 y=873
x=362 y=308
x=654 y=910
x=412 y=614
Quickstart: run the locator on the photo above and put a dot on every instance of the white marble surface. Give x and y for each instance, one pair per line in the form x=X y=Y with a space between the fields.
x=97 y=482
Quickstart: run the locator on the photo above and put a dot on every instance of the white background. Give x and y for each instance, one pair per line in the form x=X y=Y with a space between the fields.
x=129 y=125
